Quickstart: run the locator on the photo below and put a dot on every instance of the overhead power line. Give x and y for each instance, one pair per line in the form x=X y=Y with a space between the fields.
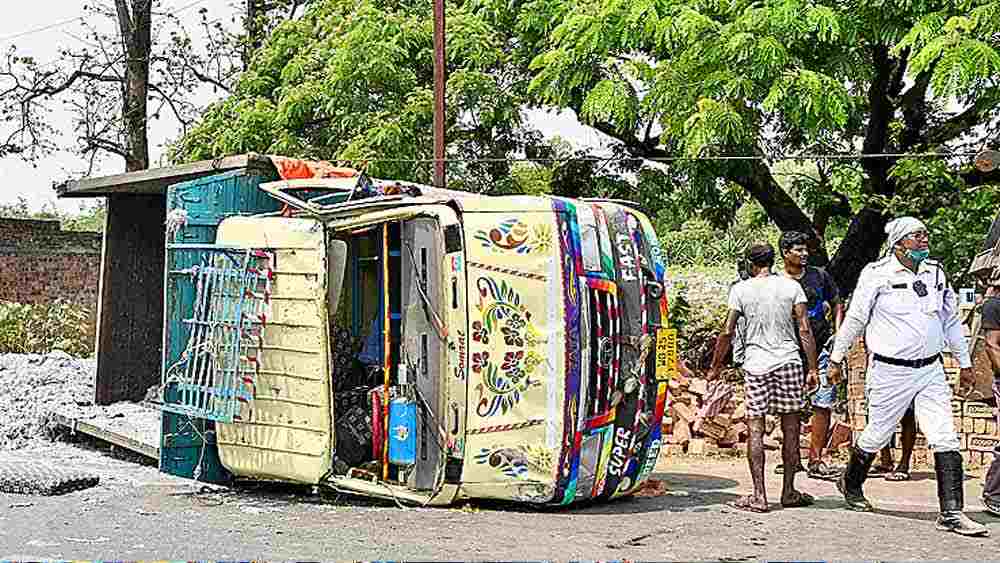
x=187 y=7
x=41 y=29
x=678 y=158
x=78 y=18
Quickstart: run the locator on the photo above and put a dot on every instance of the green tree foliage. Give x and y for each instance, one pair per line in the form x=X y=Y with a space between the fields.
x=784 y=77
x=958 y=215
x=353 y=80
x=89 y=217
x=675 y=80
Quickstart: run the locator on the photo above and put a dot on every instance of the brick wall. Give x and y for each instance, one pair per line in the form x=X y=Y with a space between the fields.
x=40 y=263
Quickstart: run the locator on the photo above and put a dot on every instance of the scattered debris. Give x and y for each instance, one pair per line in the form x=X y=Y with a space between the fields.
x=35 y=384
x=41 y=391
x=637 y=541
x=652 y=488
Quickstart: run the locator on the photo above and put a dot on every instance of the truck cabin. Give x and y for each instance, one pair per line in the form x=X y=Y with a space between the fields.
x=512 y=348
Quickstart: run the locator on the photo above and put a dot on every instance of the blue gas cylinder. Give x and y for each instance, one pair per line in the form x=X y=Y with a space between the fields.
x=402 y=431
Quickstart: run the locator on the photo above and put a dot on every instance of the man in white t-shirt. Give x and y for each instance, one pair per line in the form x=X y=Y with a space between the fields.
x=773 y=306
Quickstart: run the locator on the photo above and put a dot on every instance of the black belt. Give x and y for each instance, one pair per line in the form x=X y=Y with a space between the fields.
x=907 y=363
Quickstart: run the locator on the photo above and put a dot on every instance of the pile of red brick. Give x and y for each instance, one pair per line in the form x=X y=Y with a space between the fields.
x=684 y=430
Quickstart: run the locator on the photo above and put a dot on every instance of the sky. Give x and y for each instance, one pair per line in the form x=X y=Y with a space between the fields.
x=41 y=27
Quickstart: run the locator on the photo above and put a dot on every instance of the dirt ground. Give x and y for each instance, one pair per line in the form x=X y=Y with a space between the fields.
x=138 y=513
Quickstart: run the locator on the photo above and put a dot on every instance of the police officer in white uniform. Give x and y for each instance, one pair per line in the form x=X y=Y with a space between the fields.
x=908 y=313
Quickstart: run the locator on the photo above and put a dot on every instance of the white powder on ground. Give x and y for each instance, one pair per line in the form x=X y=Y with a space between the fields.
x=34 y=385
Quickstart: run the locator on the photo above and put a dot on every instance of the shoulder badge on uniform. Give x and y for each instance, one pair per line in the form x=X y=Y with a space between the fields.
x=880 y=262
x=936 y=265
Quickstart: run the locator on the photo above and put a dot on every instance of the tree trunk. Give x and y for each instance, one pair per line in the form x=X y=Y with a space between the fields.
x=866 y=233
x=134 y=24
x=756 y=178
x=861 y=245
x=821 y=219
x=255 y=28
x=880 y=116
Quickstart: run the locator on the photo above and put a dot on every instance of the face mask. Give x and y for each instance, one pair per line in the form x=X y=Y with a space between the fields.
x=917 y=256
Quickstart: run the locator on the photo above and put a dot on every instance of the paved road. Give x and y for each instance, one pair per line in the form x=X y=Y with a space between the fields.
x=136 y=513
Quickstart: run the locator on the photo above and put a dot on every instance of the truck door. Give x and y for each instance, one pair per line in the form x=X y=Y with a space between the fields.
x=264 y=380
x=285 y=432
x=424 y=341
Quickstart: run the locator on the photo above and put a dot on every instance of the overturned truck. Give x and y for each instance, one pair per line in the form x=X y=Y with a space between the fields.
x=402 y=341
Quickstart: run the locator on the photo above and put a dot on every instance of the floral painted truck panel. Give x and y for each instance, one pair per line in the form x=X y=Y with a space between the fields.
x=515 y=348
x=565 y=303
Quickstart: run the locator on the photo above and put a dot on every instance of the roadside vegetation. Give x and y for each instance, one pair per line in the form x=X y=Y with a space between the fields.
x=40 y=329
x=43 y=328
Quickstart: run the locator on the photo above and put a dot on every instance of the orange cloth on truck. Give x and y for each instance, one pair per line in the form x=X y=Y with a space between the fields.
x=378 y=423
x=296 y=168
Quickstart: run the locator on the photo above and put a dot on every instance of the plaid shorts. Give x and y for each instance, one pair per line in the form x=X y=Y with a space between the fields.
x=778 y=392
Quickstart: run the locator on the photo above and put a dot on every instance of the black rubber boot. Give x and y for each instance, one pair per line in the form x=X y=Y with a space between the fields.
x=948 y=466
x=851 y=481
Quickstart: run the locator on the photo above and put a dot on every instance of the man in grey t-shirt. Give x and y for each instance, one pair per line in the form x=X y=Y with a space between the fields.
x=775 y=379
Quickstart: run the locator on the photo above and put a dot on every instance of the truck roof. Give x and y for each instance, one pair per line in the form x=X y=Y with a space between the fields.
x=329 y=198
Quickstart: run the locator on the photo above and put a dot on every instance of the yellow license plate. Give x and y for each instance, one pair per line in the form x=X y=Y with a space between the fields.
x=666 y=353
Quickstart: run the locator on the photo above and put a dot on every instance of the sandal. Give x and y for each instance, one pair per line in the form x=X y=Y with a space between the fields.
x=799 y=500
x=898 y=476
x=780 y=469
x=879 y=470
x=823 y=472
x=746 y=504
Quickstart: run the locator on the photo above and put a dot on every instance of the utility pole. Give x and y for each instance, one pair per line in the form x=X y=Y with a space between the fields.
x=439 y=87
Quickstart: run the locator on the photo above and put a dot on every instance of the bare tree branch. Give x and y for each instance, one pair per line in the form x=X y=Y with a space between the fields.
x=964 y=121
x=168 y=99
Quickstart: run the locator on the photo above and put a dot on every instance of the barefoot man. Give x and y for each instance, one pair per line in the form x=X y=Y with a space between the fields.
x=775 y=379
